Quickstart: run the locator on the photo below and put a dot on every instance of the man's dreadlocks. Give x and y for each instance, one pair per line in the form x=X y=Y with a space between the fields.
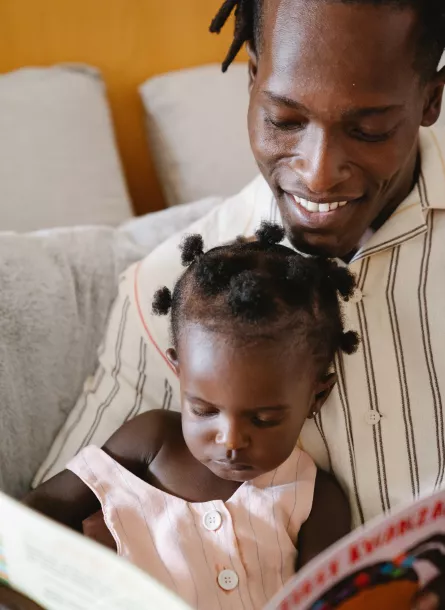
x=248 y=27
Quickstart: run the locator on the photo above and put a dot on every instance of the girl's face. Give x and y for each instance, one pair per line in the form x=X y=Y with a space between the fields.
x=243 y=407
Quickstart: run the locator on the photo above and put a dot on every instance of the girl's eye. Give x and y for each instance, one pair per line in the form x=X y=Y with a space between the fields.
x=265 y=423
x=199 y=412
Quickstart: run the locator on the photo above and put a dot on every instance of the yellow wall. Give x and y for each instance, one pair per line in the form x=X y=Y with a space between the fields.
x=129 y=40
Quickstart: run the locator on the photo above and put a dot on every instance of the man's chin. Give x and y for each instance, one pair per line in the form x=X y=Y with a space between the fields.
x=333 y=234
x=328 y=246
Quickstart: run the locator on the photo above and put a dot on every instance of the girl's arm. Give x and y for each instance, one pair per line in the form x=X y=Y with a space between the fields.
x=64 y=498
x=330 y=519
x=68 y=500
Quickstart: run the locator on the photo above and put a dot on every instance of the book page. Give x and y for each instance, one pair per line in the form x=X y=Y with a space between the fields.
x=380 y=566
x=61 y=570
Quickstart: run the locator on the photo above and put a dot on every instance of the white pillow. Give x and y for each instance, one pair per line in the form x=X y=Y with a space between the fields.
x=58 y=160
x=197 y=128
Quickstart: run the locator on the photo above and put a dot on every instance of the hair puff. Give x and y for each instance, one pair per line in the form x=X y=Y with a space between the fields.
x=162 y=301
x=213 y=275
x=349 y=342
x=269 y=234
x=192 y=248
x=298 y=273
x=248 y=298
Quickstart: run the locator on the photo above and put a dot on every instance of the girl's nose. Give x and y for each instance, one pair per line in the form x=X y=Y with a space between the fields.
x=231 y=454
x=234 y=439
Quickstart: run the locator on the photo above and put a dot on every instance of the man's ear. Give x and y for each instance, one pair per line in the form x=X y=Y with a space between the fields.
x=252 y=65
x=172 y=357
x=433 y=103
x=322 y=393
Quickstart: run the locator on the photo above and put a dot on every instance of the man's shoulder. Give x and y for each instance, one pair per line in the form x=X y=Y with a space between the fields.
x=233 y=217
x=237 y=215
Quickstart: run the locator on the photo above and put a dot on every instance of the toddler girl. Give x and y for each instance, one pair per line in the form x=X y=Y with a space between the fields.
x=218 y=502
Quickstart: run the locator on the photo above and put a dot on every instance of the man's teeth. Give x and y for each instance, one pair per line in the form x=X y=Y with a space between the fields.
x=311 y=206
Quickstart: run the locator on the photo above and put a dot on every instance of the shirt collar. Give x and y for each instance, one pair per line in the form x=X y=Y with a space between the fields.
x=432 y=178
x=409 y=219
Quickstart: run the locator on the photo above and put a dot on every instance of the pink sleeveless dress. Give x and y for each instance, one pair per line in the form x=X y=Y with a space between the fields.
x=215 y=555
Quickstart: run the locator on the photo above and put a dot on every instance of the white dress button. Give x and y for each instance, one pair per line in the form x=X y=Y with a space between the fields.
x=372 y=417
x=212 y=520
x=228 y=580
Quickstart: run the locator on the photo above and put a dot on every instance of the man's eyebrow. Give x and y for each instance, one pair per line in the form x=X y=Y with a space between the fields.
x=287 y=101
x=352 y=113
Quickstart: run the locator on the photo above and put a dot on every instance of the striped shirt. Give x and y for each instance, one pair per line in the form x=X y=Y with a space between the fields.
x=215 y=555
x=382 y=430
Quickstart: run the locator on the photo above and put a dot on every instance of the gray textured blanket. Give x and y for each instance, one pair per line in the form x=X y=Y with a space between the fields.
x=56 y=290
x=55 y=294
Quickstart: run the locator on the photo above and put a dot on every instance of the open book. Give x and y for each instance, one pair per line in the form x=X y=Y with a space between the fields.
x=379 y=566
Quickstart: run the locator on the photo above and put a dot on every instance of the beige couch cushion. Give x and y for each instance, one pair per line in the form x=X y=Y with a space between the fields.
x=58 y=160
x=197 y=128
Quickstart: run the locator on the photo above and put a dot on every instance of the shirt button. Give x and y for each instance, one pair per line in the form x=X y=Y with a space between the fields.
x=372 y=417
x=228 y=580
x=212 y=520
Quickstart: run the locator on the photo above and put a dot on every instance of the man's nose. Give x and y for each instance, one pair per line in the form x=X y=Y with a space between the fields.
x=320 y=163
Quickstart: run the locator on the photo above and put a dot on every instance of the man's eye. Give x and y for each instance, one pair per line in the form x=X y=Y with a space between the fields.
x=285 y=125
x=371 y=137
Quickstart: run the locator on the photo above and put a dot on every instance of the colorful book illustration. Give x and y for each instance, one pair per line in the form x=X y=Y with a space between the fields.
x=382 y=566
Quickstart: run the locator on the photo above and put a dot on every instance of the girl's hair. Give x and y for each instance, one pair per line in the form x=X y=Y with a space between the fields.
x=261 y=290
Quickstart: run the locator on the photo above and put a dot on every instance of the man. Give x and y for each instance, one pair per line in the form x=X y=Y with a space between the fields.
x=339 y=90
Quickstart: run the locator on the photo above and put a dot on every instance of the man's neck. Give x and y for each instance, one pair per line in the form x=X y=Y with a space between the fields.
x=402 y=194
x=389 y=209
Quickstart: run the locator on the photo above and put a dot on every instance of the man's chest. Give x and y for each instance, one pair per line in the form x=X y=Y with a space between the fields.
x=382 y=431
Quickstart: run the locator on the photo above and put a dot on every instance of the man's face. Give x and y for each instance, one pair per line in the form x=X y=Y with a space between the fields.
x=334 y=116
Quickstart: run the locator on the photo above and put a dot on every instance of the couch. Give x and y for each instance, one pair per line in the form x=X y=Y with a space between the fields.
x=59 y=165
x=57 y=288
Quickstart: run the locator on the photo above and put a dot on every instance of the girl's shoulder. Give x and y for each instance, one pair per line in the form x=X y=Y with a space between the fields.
x=137 y=443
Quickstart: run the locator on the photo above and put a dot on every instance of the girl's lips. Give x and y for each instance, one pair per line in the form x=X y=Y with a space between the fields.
x=233 y=465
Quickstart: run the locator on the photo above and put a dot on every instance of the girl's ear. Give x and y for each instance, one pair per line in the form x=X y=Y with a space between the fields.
x=322 y=393
x=172 y=357
x=252 y=65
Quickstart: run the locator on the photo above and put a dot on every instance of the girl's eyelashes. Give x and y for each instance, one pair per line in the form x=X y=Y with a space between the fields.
x=266 y=423
x=203 y=412
x=257 y=420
